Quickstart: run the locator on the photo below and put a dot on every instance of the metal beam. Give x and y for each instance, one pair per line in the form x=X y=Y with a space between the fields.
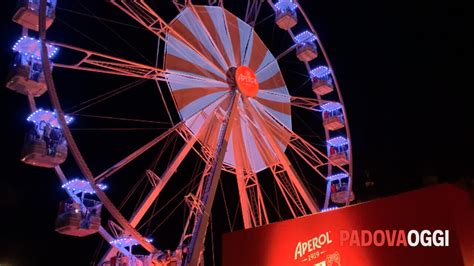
x=101 y=63
x=165 y=177
x=296 y=101
x=271 y=159
x=200 y=227
x=110 y=171
x=251 y=201
x=295 y=180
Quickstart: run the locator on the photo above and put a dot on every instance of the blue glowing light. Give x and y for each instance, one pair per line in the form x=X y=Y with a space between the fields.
x=337 y=176
x=48 y=117
x=283 y=5
x=320 y=72
x=127 y=241
x=78 y=186
x=329 y=209
x=337 y=141
x=331 y=106
x=124 y=242
x=31 y=47
x=304 y=37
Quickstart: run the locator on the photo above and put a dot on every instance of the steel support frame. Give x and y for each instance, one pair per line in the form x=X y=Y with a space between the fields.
x=254 y=213
x=209 y=188
x=101 y=63
x=301 y=102
x=311 y=155
x=278 y=172
x=190 y=141
x=283 y=163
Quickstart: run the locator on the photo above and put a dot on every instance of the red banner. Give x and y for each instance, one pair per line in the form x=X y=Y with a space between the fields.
x=431 y=226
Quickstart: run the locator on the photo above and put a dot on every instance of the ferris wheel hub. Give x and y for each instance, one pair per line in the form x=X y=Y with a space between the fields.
x=243 y=78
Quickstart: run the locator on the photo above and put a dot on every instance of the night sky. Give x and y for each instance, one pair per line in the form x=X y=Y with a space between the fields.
x=404 y=69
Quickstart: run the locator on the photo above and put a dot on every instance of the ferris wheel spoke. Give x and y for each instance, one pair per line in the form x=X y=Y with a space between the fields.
x=210 y=180
x=284 y=173
x=301 y=102
x=199 y=117
x=190 y=141
x=198 y=99
x=110 y=171
x=189 y=80
x=311 y=155
x=146 y=16
x=210 y=38
x=101 y=63
x=116 y=167
x=216 y=21
x=271 y=80
x=281 y=106
x=252 y=11
x=281 y=179
x=122 y=119
x=192 y=66
x=251 y=201
x=274 y=62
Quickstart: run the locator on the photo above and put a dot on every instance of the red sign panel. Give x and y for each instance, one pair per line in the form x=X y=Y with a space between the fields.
x=432 y=226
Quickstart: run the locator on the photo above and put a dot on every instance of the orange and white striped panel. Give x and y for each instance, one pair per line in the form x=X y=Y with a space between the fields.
x=203 y=43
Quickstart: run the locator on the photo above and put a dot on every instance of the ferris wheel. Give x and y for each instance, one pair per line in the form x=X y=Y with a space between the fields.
x=236 y=114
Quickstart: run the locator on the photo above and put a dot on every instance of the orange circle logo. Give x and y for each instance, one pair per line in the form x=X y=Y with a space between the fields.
x=246 y=81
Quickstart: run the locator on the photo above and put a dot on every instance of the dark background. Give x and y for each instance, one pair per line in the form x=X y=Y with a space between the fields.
x=405 y=74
